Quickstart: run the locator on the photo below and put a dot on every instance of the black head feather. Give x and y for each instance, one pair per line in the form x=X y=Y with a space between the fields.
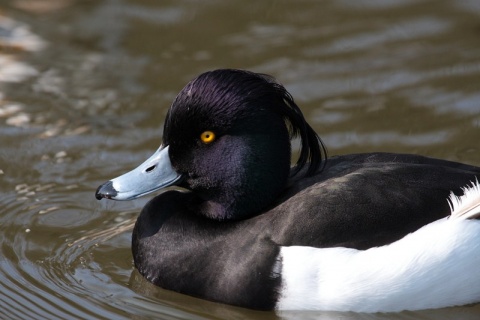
x=234 y=88
x=313 y=150
x=248 y=165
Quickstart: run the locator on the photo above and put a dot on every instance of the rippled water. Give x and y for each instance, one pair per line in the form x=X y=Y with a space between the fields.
x=84 y=87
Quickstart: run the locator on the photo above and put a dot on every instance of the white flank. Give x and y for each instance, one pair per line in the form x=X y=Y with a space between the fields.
x=436 y=266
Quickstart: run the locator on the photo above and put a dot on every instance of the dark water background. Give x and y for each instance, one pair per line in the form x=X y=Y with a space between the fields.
x=85 y=85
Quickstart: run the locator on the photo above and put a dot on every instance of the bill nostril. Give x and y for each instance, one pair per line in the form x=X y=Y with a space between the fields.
x=150 y=169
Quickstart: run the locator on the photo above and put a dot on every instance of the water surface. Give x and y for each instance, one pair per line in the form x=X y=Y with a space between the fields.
x=85 y=85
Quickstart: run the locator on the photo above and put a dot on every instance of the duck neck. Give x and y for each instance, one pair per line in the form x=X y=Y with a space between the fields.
x=242 y=198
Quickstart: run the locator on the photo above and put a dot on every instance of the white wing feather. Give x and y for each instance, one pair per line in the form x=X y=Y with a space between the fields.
x=468 y=205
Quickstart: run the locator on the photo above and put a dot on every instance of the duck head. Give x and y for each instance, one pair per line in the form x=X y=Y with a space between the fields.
x=227 y=139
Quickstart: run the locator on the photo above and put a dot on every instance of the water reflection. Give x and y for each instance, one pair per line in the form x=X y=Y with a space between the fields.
x=84 y=87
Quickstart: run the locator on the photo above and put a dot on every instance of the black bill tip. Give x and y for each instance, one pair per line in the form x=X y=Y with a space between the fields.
x=106 y=190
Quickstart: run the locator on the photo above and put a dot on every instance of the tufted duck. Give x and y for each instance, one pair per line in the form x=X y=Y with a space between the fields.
x=360 y=232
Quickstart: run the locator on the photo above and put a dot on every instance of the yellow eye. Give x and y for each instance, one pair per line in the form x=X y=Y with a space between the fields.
x=207 y=137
